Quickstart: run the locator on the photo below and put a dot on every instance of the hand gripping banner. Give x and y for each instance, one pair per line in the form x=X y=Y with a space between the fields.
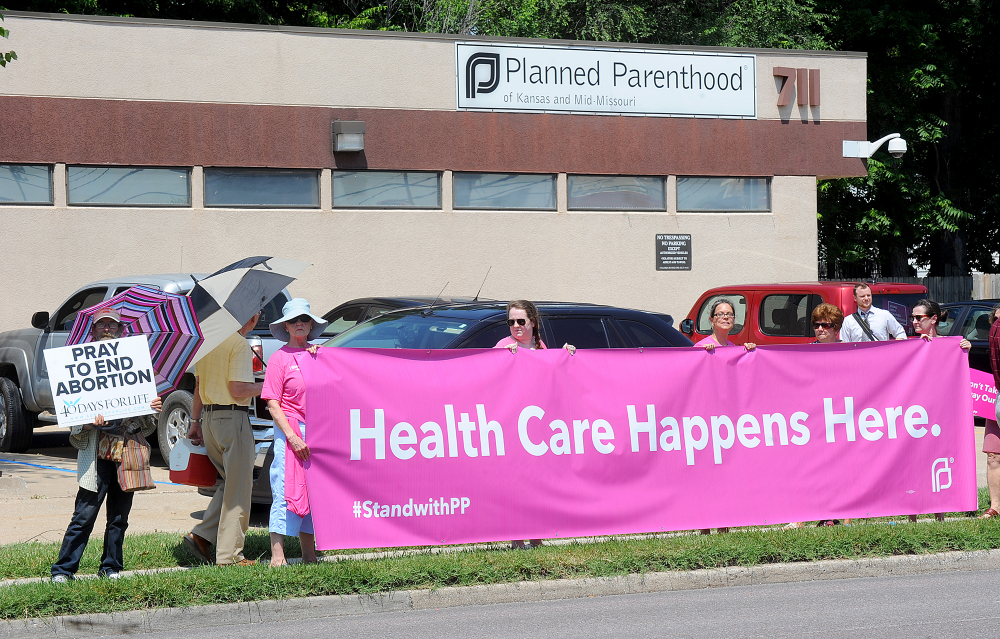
x=444 y=447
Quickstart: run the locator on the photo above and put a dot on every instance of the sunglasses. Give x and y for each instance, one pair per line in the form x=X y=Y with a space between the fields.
x=725 y=315
x=301 y=319
x=519 y=321
x=917 y=318
x=105 y=325
x=826 y=325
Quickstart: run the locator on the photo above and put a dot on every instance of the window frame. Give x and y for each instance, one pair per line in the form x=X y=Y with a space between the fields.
x=300 y=207
x=186 y=169
x=769 y=180
x=52 y=186
x=555 y=192
x=440 y=192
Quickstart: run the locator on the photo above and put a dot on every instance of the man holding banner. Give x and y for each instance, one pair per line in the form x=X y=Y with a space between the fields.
x=220 y=416
x=98 y=479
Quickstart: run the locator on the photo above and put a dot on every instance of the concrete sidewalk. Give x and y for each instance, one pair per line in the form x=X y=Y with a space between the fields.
x=176 y=620
x=38 y=490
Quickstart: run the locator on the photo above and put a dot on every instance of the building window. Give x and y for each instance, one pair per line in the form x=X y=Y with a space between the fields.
x=616 y=193
x=505 y=191
x=25 y=184
x=386 y=190
x=262 y=188
x=723 y=194
x=127 y=186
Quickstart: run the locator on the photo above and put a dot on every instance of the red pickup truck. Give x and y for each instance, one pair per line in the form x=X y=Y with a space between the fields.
x=780 y=313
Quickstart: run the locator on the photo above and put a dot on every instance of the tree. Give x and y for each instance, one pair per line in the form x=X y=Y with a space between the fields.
x=5 y=56
x=937 y=206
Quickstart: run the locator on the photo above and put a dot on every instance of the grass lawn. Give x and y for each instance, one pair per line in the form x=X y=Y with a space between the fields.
x=603 y=557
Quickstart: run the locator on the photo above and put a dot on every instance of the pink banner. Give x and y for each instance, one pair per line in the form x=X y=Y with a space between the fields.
x=984 y=394
x=444 y=447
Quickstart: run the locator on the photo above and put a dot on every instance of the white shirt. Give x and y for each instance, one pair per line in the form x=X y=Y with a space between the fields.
x=880 y=321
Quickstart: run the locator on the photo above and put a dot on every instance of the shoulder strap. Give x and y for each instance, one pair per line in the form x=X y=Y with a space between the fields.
x=863 y=323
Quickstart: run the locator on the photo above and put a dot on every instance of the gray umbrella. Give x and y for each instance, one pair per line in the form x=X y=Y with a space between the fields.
x=226 y=299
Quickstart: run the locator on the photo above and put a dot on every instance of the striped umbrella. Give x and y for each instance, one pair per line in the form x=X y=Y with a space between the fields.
x=166 y=319
x=226 y=299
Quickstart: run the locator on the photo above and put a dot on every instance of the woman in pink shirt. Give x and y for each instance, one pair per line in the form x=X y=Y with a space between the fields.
x=285 y=393
x=523 y=320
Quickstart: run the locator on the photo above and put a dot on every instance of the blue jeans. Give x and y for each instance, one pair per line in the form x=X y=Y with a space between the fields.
x=88 y=506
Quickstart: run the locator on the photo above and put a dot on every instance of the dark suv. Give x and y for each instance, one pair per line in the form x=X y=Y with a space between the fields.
x=482 y=324
x=971 y=320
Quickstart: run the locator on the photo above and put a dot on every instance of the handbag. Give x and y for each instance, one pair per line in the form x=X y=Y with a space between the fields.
x=133 y=469
x=110 y=446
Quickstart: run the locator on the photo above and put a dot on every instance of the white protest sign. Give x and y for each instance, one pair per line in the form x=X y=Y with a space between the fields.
x=113 y=378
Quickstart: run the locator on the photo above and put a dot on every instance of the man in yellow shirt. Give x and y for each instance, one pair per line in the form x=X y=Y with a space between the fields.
x=224 y=389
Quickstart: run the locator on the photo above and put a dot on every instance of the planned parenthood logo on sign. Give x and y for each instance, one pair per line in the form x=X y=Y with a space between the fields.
x=611 y=81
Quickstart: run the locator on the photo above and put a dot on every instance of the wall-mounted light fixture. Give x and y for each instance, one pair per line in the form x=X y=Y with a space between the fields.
x=864 y=149
x=348 y=136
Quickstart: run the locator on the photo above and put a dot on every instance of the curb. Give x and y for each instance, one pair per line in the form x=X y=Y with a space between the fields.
x=176 y=619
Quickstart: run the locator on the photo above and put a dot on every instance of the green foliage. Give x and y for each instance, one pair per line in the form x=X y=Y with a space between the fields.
x=937 y=205
x=777 y=24
x=5 y=56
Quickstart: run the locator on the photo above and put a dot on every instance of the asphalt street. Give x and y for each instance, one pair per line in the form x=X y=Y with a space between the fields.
x=942 y=605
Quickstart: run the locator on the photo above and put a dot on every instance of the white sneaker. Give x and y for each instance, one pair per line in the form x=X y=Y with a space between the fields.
x=61 y=579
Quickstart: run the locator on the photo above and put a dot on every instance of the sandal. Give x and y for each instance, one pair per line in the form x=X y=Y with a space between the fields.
x=989 y=514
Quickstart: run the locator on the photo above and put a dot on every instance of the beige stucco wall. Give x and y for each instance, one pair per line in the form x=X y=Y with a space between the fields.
x=575 y=256
x=192 y=62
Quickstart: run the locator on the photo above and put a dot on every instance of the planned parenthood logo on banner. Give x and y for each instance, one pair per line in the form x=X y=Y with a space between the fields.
x=113 y=378
x=611 y=81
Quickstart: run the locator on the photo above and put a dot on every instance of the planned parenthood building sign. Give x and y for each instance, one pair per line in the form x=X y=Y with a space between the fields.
x=605 y=81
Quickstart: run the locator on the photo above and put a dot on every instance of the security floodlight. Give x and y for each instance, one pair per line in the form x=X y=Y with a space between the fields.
x=348 y=136
x=863 y=149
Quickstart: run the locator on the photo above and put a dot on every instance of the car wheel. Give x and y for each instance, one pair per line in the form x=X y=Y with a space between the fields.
x=15 y=427
x=174 y=420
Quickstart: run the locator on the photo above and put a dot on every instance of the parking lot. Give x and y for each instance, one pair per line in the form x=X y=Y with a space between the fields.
x=37 y=490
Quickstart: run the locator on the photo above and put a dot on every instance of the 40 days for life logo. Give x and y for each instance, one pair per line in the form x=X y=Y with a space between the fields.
x=594 y=80
x=112 y=378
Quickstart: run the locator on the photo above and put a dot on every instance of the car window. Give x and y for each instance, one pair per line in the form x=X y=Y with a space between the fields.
x=84 y=299
x=582 y=332
x=642 y=335
x=488 y=337
x=410 y=330
x=740 y=302
x=788 y=314
x=947 y=326
x=344 y=319
x=122 y=289
x=977 y=324
x=271 y=312
x=377 y=309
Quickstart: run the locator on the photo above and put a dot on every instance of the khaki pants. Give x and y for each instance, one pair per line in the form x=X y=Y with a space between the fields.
x=229 y=443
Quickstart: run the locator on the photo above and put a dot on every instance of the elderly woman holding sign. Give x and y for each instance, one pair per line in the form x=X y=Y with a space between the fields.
x=98 y=477
x=285 y=393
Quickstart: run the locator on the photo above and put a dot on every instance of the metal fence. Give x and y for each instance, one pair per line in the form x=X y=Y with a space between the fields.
x=981 y=286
